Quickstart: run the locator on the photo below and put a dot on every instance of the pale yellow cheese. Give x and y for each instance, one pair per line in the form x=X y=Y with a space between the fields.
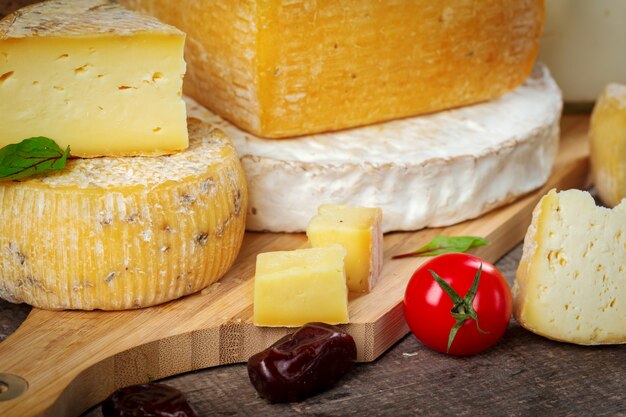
x=608 y=144
x=292 y=288
x=571 y=281
x=288 y=68
x=358 y=230
x=94 y=76
x=118 y=233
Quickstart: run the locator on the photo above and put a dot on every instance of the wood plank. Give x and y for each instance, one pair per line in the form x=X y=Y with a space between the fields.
x=73 y=360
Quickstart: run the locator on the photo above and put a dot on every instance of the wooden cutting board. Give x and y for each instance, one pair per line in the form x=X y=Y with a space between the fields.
x=72 y=360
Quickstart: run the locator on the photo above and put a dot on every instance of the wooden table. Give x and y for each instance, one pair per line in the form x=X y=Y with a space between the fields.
x=523 y=375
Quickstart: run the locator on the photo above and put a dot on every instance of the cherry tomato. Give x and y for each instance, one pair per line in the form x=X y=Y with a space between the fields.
x=431 y=313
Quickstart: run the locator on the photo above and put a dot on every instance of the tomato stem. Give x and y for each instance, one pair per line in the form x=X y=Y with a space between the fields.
x=462 y=309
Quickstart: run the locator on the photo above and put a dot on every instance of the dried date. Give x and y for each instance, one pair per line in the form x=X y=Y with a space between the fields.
x=147 y=400
x=302 y=364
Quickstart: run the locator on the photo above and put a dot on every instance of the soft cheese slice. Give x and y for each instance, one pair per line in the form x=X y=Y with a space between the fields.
x=118 y=233
x=608 y=144
x=571 y=281
x=358 y=230
x=426 y=171
x=292 y=288
x=289 y=68
x=94 y=76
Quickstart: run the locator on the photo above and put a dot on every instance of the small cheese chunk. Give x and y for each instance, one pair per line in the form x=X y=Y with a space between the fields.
x=358 y=230
x=118 y=233
x=94 y=76
x=289 y=68
x=293 y=288
x=608 y=144
x=571 y=281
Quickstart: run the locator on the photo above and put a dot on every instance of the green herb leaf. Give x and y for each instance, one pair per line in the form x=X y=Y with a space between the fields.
x=446 y=244
x=30 y=157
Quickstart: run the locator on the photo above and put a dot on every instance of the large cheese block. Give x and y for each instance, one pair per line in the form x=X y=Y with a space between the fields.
x=120 y=233
x=608 y=144
x=94 y=76
x=571 y=281
x=289 y=68
x=433 y=170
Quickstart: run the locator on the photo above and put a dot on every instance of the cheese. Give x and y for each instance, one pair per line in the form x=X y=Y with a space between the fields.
x=433 y=170
x=94 y=76
x=608 y=144
x=358 y=231
x=120 y=233
x=571 y=281
x=289 y=68
x=293 y=288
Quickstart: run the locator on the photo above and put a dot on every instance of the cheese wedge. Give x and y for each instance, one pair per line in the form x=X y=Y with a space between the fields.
x=427 y=171
x=289 y=68
x=608 y=144
x=359 y=231
x=94 y=76
x=292 y=288
x=571 y=281
x=120 y=233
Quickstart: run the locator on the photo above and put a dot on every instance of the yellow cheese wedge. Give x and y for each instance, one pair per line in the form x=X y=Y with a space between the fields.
x=94 y=76
x=571 y=281
x=358 y=230
x=608 y=144
x=293 y=288
x=288 y=68
x=119 y=233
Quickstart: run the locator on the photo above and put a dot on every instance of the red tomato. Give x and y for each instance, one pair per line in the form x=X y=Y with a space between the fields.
x=428 y=308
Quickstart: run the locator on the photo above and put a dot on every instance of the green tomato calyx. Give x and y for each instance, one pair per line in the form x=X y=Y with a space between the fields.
x=462 y=309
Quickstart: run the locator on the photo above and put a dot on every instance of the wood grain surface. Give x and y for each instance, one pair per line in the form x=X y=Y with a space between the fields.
x=73 y=360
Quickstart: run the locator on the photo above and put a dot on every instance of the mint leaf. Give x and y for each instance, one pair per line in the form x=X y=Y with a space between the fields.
x=446 y=244
x=30 y=157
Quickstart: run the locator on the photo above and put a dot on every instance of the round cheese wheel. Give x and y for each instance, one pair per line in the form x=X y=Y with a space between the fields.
x=120 y=233
x=433 y=170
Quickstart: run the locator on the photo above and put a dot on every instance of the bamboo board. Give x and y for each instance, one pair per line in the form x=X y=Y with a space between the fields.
x=73 y=360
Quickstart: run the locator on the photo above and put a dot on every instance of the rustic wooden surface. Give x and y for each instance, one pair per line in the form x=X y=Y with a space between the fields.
x=523 y=375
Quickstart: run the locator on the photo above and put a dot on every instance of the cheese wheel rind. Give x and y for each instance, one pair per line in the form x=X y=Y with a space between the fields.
x=75 y=241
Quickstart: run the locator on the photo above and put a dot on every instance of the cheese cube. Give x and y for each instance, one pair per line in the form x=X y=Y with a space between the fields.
x=571 y=281
x=94 y=76
x=608 y=144
x=358 y=230
x=293 y=288
x=289 y=68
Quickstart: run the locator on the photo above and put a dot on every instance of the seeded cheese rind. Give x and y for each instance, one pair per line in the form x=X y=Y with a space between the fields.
x=122 y=233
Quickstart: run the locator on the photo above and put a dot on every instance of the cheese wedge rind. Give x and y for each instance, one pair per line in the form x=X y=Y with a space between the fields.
x=121 y=233
x=571 y=281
